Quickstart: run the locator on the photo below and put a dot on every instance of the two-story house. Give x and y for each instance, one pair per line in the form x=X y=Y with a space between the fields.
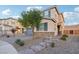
x=6 y=25
x=52 y=23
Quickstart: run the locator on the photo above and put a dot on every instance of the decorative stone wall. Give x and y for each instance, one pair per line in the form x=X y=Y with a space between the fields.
x=43 y=34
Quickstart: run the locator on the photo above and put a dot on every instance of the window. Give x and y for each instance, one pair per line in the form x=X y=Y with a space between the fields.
x=47 y=14
x=52 y=15
x=71 y=31
x=45 y=26
x=42 y=27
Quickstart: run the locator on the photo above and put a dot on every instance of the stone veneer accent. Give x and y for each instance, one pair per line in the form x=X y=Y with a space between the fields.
x=43 y=34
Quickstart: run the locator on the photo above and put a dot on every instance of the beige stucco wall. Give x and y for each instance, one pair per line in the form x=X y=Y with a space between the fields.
x=61 y=22
x=54 y=14
x=58 y=17
x=51 y=26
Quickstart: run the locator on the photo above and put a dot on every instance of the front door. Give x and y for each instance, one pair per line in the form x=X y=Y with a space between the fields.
x=58 y=27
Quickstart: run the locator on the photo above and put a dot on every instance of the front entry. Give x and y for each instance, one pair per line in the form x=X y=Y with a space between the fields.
x=58 y=27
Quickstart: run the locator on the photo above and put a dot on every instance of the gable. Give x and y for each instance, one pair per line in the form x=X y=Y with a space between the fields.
x=51 y=13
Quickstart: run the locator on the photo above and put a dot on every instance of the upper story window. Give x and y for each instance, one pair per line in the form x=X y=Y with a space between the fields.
x=50 y=13
x=47 y=14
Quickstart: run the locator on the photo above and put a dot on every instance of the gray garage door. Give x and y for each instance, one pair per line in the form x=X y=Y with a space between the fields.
x=29 y=32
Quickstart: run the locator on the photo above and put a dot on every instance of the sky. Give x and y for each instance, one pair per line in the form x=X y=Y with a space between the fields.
x=70 y=12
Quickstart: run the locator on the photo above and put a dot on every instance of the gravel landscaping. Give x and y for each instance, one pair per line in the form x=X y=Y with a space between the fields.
x=42 y=46
x=71 y=46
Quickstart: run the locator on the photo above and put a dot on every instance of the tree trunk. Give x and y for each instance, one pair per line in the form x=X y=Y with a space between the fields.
x=33 y=32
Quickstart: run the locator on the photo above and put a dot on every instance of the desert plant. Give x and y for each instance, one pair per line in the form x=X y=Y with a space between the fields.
x=52 y=44
x=19 y=42
x=64 y=37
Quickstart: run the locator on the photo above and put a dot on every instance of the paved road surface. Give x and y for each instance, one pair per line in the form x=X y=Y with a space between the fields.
x=12 y=39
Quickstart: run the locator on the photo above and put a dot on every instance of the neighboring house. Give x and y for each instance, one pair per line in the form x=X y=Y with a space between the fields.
x=71 y=30
x=51 y=25
x=6 y=25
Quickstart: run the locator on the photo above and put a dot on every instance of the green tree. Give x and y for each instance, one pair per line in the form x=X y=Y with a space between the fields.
x=31 y=18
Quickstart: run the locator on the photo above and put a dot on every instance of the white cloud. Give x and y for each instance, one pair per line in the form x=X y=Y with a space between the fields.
x=76 y=9
x=75 y=23
x=16 y=17
x=68 y=14
x=72 y=14
x=36 y=7
x=70 y=17
x=6 y=12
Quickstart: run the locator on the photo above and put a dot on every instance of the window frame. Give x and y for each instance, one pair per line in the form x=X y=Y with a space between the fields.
x=71 y=31
x=43 y=29
x=47 y=14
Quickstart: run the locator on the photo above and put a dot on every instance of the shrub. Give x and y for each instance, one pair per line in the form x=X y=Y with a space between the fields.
x=52 y=44
x=19 y=42
x=64 y=37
